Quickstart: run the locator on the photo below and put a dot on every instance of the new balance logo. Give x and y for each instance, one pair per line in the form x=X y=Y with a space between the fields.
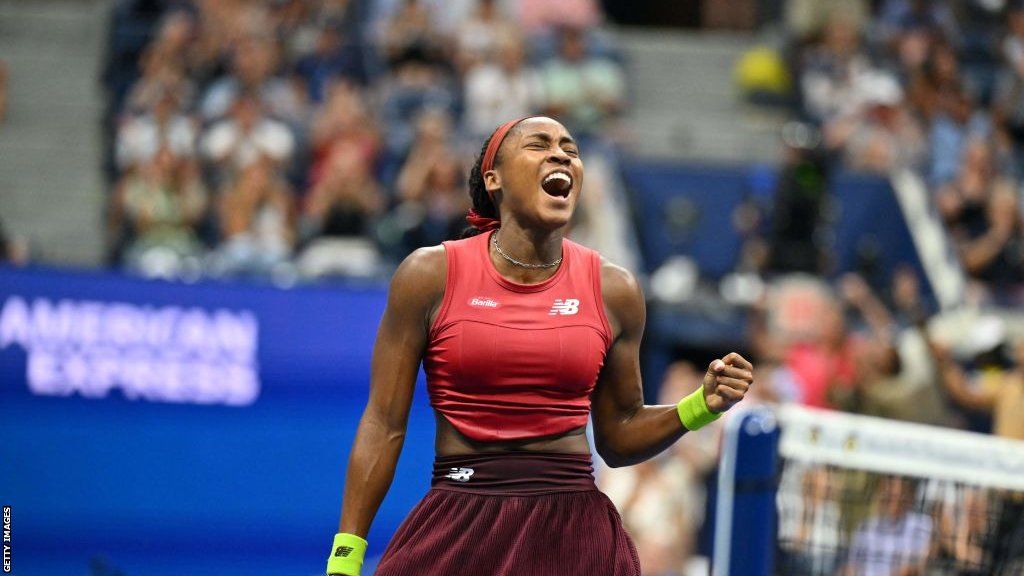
x=481 y=302
x=460 y=474
x=343 y=551
x=565 y=307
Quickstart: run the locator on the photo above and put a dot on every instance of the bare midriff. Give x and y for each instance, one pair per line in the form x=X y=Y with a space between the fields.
x=450 y=442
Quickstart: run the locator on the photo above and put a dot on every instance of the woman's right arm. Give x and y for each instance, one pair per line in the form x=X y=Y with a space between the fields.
x=416 y=290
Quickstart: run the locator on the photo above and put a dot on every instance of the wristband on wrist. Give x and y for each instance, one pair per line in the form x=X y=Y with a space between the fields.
x=346 y=555
x=694 y=412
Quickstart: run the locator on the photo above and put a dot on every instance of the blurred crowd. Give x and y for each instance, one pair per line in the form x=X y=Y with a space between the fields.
x=936 y=87
x=311 y=138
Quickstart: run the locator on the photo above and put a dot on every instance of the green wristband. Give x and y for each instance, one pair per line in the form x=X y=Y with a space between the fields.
x=346 y=555
x=694 y=412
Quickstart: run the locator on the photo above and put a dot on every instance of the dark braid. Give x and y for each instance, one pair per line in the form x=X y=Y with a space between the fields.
x=482 y=202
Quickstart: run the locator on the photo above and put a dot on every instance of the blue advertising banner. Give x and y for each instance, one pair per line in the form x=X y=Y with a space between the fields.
x=155 y=428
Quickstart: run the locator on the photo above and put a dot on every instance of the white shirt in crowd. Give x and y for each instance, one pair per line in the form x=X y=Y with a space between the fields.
x=226 y=140
x=140 y=137
x=493 y=95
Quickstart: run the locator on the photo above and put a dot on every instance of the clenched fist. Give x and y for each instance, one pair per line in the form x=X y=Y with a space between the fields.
x=727 y=381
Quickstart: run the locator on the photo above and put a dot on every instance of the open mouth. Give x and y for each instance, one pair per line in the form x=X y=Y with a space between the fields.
x=558 y=183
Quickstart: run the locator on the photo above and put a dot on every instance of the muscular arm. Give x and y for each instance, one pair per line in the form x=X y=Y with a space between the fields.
x=957 y=384
x=416 y=288
x=625 y=430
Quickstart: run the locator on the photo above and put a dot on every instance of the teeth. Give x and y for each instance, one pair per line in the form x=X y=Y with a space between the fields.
x=557 y=176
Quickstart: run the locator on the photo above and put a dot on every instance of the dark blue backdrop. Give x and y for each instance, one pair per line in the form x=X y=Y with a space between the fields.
x=687 y=209
x=161 y=488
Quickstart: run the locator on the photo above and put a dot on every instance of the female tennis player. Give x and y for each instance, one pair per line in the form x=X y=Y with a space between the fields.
x=523 y=334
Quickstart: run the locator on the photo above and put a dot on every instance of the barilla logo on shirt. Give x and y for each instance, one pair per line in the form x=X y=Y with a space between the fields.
x=481 y=302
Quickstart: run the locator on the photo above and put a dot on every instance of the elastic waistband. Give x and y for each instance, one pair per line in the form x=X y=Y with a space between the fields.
x=514 y=473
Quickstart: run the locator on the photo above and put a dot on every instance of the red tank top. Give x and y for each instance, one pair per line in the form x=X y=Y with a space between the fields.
x=509 y=361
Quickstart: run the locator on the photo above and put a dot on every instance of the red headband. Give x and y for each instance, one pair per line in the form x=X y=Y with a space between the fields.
x=496 y=139
x=483 y=223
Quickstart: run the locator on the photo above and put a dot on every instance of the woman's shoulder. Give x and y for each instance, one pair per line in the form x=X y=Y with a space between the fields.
x=421 y=275
x=422 y=264
x=623 y=298
x=618 y=282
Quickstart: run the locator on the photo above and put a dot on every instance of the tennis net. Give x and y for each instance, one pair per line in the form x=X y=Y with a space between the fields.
x=812 y=492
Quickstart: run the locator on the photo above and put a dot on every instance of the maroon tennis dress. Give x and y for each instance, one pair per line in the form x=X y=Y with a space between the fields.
x=507 y=361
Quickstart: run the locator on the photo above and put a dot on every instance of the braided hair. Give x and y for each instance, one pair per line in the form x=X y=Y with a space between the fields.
x=482 y=202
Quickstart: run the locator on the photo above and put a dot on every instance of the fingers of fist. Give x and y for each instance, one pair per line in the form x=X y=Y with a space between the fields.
x=728 y=381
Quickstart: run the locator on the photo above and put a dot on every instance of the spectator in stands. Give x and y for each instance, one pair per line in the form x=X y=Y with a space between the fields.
x=334 y=57
x=411 y=27
x=164 y=126
x=895 y=540
x=811 y=534
x=257 y=222
x=963 y=528
x=432 y=201
x=346 y=199
x=998 y=392
x=343 y=120
x=481 y=35
x=829 y=69
x=1008 y=101
x=175 y=41
x=501 y=89
x=583 y=91
x=916 y=21
x=879 y=134
x=254 y=61
x=824 y=359
x=156 y=211
x=940 y=96
x=300 y=26
x=162 y=73
x=418 y=82
x=895 y=375
x=340 y=216
x=981 y=213
x=245 y=137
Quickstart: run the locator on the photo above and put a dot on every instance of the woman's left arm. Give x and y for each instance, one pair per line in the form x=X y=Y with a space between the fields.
x=625 y=430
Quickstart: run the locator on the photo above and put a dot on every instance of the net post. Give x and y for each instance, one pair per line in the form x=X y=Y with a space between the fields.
x=745 y=514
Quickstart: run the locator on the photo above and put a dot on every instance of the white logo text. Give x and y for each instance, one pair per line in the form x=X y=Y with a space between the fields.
x=565 y=307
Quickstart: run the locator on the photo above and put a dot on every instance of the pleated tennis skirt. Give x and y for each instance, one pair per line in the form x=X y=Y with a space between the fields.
x=512 y=514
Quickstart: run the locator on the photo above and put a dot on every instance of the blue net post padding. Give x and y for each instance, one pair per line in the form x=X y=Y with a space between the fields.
x=746 y=514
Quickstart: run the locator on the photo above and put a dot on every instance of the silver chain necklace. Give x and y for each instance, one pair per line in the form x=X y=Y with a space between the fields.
x=494 y=240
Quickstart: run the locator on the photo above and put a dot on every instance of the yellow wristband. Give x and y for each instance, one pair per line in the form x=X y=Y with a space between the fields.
x=694 y=412
x=347 y=555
